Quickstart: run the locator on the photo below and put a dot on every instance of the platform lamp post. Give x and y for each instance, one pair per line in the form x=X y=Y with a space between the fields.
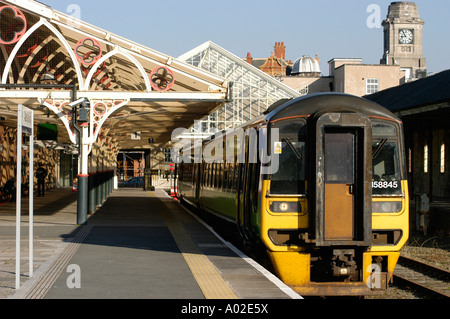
x=80 y=111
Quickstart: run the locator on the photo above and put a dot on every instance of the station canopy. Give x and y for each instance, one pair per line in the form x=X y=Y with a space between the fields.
x=133 y=90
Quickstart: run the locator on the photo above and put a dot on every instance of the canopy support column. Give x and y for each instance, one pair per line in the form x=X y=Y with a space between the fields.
x=83 y=177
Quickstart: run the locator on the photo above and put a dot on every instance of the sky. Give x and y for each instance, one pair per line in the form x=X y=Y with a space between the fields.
x=328 y=28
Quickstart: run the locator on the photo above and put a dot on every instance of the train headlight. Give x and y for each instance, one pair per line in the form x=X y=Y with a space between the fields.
x=387 y=207
x=285 y=207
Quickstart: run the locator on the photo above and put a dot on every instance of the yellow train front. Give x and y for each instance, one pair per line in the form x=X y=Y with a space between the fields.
x=333 y=216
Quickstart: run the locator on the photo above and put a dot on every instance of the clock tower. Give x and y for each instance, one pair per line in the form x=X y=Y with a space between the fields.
x=403 y=38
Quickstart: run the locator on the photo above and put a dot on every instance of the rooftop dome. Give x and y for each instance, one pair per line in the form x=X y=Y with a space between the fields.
x=306 y=65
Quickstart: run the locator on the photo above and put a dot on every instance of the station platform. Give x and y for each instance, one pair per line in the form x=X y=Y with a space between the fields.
x=138 y=245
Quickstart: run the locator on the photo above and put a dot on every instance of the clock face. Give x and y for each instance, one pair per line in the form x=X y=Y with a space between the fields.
x=405 y=36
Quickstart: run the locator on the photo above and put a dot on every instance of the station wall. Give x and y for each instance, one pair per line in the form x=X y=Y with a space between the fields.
x=8 y=158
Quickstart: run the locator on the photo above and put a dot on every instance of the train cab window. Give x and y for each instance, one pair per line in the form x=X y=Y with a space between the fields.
x=386 y=160
x=290 y=177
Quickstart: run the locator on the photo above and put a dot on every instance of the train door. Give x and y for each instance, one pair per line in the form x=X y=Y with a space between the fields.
x=343 y=170
x=251 y=182
x=247 y=171
x=241 y=181
x=340 y=179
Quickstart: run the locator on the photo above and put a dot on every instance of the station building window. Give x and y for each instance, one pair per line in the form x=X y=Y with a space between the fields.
x=425 y=159
x=410 y=160
x=372 y=86
x=167 y=155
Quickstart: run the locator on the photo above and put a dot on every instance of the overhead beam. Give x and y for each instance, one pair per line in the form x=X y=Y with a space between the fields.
x=117 y=95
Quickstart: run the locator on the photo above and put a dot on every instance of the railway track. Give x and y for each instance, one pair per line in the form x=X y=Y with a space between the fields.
x=427 y=280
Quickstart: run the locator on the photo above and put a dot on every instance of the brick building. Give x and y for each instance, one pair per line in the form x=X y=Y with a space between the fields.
x=276 y=64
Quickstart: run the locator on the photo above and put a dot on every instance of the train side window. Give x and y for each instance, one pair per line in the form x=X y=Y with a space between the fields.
x=203 y=174
x=219 y=175
x=211 y=175
x=236 y=175
x=225 y=176
x=217 y=184
x=180 y=172
x=230 y=175
x=214 y=175
x=211 y=178
x=222 y=172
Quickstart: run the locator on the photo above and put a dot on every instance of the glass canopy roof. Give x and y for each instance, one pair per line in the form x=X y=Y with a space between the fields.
x=252 y=91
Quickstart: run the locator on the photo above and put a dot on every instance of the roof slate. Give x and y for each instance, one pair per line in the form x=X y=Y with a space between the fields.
x=428 y=91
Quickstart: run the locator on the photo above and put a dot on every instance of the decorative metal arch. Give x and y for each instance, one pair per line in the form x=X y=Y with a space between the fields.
x=59 y=107
x=117 y=51
x=43 y=22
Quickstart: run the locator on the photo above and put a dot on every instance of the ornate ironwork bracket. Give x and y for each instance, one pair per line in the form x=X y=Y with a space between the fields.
x=99 y=112
x=64 y=112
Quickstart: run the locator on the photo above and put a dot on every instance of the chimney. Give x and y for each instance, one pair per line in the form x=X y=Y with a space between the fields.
x=280 y=50
x=249 y=58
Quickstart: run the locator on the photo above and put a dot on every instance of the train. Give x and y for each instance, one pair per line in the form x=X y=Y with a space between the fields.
x=319 y=183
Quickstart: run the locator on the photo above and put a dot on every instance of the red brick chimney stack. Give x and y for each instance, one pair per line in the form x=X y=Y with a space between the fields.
x=280 y=50
x=249 y=58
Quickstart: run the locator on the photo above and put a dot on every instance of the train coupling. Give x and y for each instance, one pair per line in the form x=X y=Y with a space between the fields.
x=344 y=265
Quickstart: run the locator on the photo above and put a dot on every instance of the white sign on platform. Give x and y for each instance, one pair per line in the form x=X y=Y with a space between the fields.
x=25 y=124
x=136 y=135
x=27 y=120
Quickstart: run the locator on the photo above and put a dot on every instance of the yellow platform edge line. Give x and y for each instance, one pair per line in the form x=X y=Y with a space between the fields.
x=211 y=283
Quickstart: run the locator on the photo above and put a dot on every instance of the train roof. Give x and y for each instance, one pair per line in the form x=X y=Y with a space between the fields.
x=314 y=105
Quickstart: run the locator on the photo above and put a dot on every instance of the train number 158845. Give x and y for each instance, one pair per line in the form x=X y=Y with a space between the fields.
x=384 y=184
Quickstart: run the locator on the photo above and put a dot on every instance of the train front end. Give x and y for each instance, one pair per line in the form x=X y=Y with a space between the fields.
x=334 y=216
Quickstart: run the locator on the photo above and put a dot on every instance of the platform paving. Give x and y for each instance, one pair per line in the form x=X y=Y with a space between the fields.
x=137 y=245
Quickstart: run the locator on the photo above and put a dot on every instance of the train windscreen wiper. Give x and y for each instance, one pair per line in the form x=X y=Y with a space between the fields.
x=292 y=147
x=380 y=146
